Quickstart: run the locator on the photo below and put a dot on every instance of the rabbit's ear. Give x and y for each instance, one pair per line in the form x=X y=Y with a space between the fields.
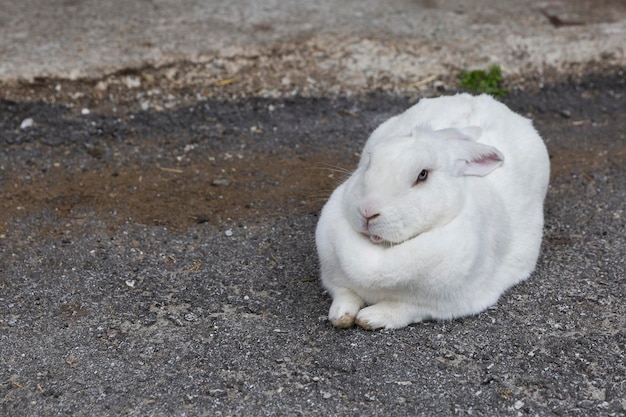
x=472 y=158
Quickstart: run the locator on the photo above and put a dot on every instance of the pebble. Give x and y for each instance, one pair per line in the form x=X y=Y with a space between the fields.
x=102 y=86
x=26 y=123
x=190 y=317
x=175 y=319
x=221 y=182
x=229 y=232
x=217 y=392
x=132 y=82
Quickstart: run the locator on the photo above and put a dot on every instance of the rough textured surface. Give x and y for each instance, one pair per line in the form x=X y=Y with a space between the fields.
x=275 y=48
x=163 y=262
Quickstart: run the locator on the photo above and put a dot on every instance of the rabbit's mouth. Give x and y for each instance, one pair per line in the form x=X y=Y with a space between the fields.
x=363 y=226
x=376 y=239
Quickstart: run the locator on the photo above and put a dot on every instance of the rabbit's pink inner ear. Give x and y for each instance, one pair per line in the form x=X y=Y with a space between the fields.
x=483 y=164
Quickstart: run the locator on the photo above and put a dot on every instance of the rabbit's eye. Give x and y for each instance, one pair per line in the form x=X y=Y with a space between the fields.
x=421 y=177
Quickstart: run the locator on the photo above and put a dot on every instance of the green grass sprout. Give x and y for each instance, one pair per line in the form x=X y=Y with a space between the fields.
x=480 y=81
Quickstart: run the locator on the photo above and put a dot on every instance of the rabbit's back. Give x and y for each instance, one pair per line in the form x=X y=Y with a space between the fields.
x=522 y=180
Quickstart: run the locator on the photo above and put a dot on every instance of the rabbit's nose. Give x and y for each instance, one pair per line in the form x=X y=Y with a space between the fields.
x=369 y=213
x=371 y=217
x=370 y=209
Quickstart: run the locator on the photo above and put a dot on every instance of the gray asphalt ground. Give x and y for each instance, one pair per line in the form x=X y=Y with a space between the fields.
x=156 y=245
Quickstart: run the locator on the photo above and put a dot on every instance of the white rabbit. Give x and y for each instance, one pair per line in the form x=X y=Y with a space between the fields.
x=442 y=215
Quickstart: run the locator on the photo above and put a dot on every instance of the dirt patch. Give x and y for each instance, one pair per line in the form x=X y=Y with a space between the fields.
x=244 y=188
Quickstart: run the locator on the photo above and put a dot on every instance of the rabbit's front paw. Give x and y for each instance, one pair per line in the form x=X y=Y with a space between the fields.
x=388 y=315
x=344 y=309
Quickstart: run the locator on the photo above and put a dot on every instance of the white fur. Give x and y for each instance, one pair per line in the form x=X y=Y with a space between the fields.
x=444 y=247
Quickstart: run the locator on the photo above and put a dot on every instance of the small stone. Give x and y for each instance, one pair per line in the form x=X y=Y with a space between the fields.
x=175 y=319
x=102 y=86
x=228 y=232
x=586 y=404
x=85 y=111
x=221 y=182
x=518 y=404
x=217 y=392
x=26 y=123
x=132 y=82
x=130 y=283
